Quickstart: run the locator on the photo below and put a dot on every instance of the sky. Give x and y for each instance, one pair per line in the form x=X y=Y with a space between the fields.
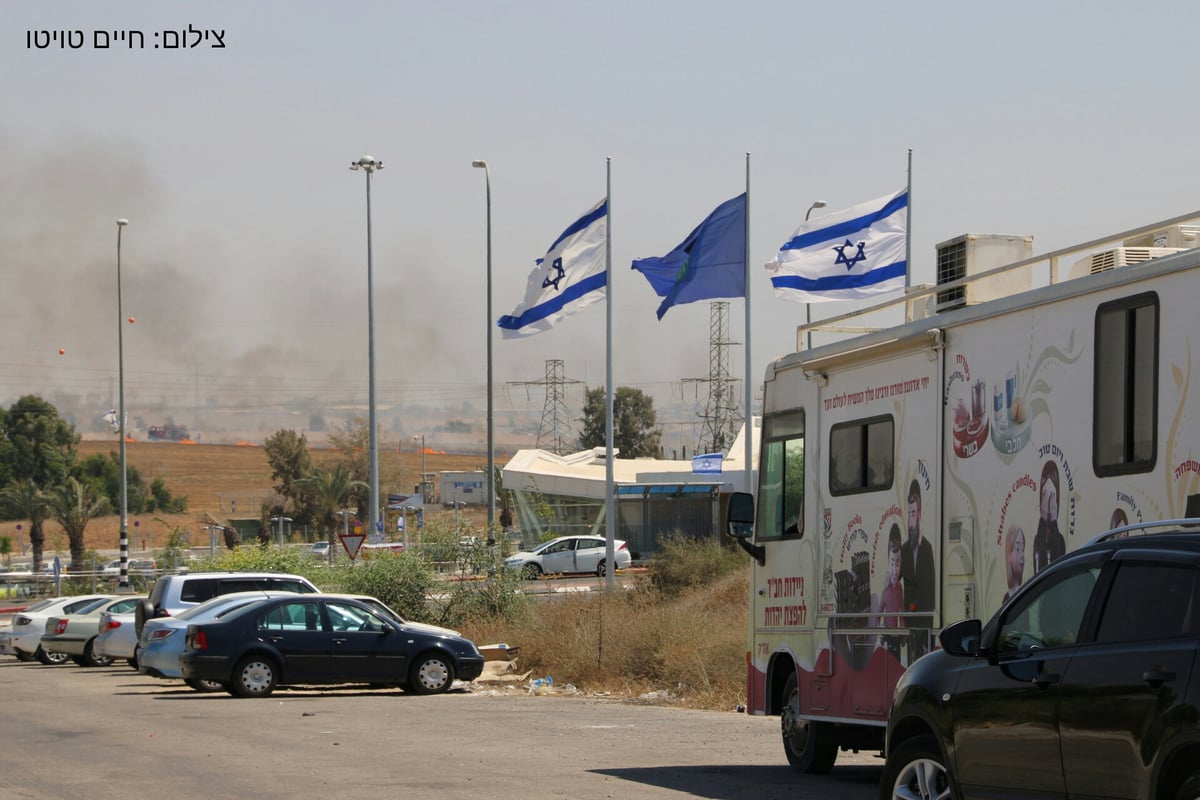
x=244 y=261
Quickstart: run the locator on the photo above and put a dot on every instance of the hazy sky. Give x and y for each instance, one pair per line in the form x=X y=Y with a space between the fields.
x=245 y=258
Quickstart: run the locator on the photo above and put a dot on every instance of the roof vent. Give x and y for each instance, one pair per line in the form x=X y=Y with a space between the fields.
x=1117 y=257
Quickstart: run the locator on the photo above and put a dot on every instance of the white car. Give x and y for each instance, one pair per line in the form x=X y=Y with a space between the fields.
x=74 y=634
x=569 y=554
x=29 y=625
x=117 y=639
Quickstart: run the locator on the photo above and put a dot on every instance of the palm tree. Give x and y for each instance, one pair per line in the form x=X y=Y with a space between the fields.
x=73 y=504
x=330 y=488
x=24 y=500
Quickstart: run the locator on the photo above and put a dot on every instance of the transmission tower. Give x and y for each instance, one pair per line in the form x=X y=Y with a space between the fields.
x=721 y=416
x=555 y=428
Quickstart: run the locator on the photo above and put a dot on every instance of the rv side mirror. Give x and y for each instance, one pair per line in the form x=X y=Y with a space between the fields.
x=739 y=517
x=739 y=524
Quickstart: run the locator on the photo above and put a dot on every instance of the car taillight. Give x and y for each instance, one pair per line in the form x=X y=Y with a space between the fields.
x=161 y=633
x=60 y=627
x=199 y=640
x=112 y=625
x=623 y=547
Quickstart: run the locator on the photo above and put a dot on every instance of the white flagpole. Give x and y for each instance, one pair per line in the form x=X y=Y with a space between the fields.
x=749 y=391
x=908 y=228
x=610 y=496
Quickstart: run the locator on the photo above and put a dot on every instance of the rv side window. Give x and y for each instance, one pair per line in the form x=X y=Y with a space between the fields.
x=1125 y=420
x=781 y=477
x=861 y=455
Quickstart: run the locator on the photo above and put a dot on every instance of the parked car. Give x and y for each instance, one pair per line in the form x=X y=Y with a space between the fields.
x=317 y=639
x=1084 y=684
x=173 y=593
x=29 y=625
x=162 y=639
x=132 y=565
x=319 y=549
x=117 y=639
x=74 y=634
x=569 y=554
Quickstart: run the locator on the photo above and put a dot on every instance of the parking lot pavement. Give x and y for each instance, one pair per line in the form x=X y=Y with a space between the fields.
x=149 y=737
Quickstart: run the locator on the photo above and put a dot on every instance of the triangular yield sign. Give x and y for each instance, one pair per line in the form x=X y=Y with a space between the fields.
x=352 y=541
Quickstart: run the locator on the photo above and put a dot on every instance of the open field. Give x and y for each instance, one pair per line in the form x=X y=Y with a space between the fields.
x=211 y=476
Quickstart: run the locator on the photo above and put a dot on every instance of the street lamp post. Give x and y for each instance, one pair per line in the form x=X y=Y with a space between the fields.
x=368 y=165
x=808 y=306
x=123 y=584
x=281 y=520
x=421 y=439
x=491 y=421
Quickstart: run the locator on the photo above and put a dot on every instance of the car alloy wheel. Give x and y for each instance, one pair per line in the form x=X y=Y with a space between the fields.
x=50 y=659
x=915 y=771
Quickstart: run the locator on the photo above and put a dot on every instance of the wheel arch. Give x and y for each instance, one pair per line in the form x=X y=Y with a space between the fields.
x=1176 y=766
x=781 y=667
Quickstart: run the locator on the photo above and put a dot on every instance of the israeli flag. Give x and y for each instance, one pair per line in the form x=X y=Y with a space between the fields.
x=569 y=277
x=847 y=255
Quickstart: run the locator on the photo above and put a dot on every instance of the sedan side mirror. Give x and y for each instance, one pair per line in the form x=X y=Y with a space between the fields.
x=962 y=638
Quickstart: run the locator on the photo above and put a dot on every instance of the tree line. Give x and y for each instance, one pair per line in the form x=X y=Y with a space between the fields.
x=42 y=479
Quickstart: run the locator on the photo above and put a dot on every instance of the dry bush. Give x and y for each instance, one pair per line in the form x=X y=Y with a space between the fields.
x=690 y=647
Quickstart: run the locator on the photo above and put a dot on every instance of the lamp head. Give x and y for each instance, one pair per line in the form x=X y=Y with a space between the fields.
x=480 y=164
x=122 y=223
x=368 y=163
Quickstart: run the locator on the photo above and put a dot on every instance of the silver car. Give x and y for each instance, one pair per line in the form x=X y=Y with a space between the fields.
x=162 y=638
x=29 y=625
x=117 y=639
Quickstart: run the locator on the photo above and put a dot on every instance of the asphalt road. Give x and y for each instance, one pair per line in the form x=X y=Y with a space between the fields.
x=68 y=732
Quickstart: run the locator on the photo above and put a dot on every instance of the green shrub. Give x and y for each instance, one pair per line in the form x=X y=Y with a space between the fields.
x=401 y=581
x=683 y=562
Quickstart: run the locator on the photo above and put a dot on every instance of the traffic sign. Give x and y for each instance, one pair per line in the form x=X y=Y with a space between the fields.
x=351 y=542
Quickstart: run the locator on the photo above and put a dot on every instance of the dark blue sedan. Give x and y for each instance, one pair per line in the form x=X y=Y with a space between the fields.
x=311 y=639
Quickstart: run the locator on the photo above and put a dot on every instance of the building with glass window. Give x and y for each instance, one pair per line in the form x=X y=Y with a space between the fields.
x=564 y=495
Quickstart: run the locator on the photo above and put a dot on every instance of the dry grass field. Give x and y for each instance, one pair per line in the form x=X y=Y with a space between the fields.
x=210 y=476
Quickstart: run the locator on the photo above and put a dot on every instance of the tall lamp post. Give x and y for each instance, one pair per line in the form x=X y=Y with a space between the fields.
x=808 y=306
x=421 y=439
x=123 y=584
x=369 y=165
x=491 y=422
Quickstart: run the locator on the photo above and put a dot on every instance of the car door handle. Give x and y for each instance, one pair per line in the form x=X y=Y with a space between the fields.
x=1044 y=679
x=275 y=639
x=340 y=640
x=1157 y=677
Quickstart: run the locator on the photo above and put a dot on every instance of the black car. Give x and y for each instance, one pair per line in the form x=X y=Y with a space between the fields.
x=311 y=639
x=1080 y=686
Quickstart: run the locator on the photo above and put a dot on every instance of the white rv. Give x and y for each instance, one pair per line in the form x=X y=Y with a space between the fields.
x=913 y=476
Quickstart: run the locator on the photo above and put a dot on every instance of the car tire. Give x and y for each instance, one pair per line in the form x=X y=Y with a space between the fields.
x=50 y=659
x=601 y=569
x=531 y=571
x=1189 y=789
x=23 y=656
x=89 y=657
x=254 y=676
x=431 y=673
x=133 y=663
x=143 y=611
x=809 y=745
x=205 y=686
x=916 y=769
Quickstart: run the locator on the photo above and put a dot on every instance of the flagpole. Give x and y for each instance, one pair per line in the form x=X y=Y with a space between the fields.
x=908 y=229
x=749 y=392
x=610 y=497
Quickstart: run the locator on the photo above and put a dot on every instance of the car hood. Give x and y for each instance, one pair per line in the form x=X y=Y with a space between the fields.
x=431 y=629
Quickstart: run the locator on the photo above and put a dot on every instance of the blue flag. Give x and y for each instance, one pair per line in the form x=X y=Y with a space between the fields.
x=847 y=255
x=710 y=262
x=570 y=276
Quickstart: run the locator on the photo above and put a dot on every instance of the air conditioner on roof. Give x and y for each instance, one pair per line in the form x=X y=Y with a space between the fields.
x=971 y=254
x=1178 y=237
x=1117 y=257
